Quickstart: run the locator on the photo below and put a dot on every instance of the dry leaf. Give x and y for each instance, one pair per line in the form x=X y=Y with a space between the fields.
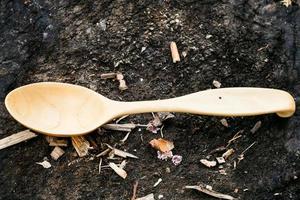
x=162 y=145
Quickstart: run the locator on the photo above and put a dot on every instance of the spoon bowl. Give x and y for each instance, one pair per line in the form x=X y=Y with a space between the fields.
x=61 y=109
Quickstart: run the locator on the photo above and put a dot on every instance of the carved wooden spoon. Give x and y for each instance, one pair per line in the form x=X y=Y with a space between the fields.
x=62 y=109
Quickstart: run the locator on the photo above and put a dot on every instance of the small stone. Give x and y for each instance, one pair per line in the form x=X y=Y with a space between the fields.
x=168 y=170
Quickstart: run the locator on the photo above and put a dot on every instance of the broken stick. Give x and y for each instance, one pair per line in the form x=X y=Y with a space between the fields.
x=81 y=145
x=16 y=138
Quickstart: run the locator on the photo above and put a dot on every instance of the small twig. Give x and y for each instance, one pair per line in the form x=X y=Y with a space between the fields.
x=126 y=137
x=100 y=163
x=135 y=185
x=248 y=148
x=161 y=131
x=103 y=153
x=108 y=75
x=235 y=137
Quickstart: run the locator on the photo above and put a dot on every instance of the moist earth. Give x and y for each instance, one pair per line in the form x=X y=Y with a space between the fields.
x=238 y=42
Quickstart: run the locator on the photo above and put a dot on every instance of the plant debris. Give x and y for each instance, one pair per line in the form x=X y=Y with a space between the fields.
x=57 y=153
x=81 y=145
x=174 y=52
x=287 y=3
x=120 y=127
x=157 y=182
x=56 y=142
x=204 y=189
x=208 y=163
x=162 y=145
x=99 y=166
x=228 y=153
x=176 y=159
x=108 y=75
x=122 y=83
x=123 y=154
x=16 y=138
x=256 y=127
x=165 y=155
x=224 y=122
x=220 y=160
x=135 y=185
x=217 y=84
x=121 y=172
x=147 y=197
x=45 y=164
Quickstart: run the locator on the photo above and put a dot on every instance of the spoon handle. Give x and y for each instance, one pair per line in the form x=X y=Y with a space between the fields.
x=240 y=101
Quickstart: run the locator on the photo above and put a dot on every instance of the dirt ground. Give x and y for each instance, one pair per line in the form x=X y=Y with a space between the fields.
x=237 y=42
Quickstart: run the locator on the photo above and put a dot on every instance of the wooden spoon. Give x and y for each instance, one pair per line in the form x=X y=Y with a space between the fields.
x=62 y=109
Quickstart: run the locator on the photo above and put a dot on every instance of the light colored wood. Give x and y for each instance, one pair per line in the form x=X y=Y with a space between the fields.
x=16 y=138
x=174 y=52
x=57 y=153
x=61 y=109
x=56 y=142
x=81 y=145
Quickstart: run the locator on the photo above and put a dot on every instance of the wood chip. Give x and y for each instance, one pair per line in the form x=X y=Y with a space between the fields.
x=228 y=153
x=81 y=145
x=220 y=160
x=213 y=193
x=108 y=75
x=56 y=142
x=57 y=153
x=119 y=76
x=162 y=145
x=121 y=172
x=45 y=164
x=174 y=52
x=16 y=138
x=217 y=84
x=224 y=122
x=147 y=197
x=256 y=127
x=123 y=154
x=208 y=163
x=120 y=127
x=122 y=85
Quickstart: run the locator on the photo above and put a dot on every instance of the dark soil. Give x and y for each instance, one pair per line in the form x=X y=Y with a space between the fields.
x=252 y=43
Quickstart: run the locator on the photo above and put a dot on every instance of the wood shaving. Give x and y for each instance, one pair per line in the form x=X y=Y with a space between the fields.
x=121 y=172
x=202 y=188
